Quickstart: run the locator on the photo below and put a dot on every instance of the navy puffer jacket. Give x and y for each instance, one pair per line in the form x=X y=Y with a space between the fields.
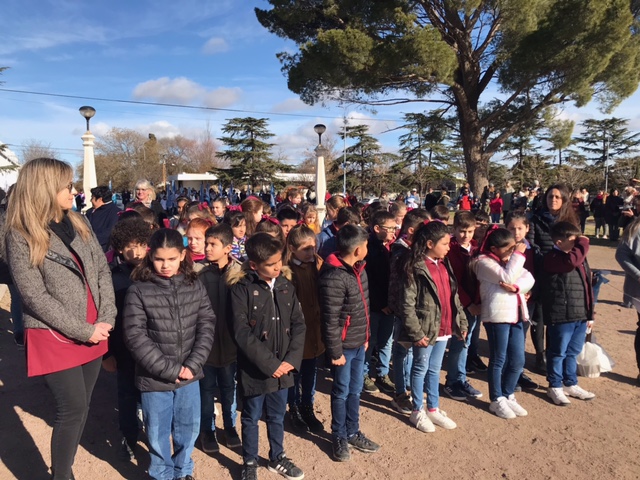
x=168 y=323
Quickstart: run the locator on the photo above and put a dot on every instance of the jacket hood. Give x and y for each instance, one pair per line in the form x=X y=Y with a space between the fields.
x=335 y=262
x=237 y=275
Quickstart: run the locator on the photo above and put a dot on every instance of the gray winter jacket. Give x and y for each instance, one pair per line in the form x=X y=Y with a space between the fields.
x=628 y=256
x=54 y=295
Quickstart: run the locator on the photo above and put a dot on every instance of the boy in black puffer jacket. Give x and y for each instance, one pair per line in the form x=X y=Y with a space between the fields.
x=269 y=330
x=344 y=303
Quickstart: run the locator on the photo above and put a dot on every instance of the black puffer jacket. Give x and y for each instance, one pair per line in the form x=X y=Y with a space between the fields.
x=268 y=327
x=121 y=275
x=344 y=303
x=566 y=294
x=168 y=323
x=540 y=230
x=377 y=266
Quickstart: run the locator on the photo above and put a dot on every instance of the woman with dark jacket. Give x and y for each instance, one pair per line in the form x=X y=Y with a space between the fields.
x=556 y=207
x=63 y=278
x=612 y=212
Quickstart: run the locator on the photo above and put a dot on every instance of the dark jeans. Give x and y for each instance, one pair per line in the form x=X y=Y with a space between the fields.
x=564 y=344
x=16 y=313
x=381 y=340
x=345 y=394
x=614 y=230
x=275 y=405
x=537 y=330
x=225 y=379
x=128 y=400
x=71 y=390
x=506 y=357
x=458 y=352
x=304 y=387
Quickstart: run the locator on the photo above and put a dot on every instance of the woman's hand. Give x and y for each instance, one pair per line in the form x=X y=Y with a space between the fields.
x=100 y=332
x=109 y=364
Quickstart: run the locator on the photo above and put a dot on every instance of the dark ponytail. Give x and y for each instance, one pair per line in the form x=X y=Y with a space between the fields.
x=433 y=231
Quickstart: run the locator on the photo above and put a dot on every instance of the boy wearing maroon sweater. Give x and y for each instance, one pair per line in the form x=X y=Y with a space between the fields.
x=462 y=248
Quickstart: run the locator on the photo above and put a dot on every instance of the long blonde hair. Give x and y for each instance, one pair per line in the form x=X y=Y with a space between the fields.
x=33 y=205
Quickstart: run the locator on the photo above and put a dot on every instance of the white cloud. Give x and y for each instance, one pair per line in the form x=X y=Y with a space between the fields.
x=290 y=105
x=215 y=45
x=222 y=97
x=165 y=89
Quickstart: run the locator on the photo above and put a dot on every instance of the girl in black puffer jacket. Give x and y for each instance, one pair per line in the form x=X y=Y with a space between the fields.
x=169 y=327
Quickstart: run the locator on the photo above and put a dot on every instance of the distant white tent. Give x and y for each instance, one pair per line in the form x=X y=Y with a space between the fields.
x=9 y=167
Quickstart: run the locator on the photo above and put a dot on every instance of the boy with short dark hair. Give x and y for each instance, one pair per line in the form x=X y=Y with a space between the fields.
x=461 y=250
x=383 y=231
x=326 y=239
x=269 y=330
x=220 y=368
x=288 y=219
x=567 y=303
x=440 y=212
x=344 y=302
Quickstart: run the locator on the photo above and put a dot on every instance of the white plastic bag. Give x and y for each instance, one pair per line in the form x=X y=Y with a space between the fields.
x=588 y=360
x=604 y=359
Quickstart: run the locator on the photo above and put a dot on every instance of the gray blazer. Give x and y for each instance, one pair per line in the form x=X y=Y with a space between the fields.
x=628 y=256
x=54 y=294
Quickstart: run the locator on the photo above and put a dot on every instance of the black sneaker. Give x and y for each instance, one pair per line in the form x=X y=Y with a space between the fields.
x=385 y=384
x=362 y=443
x=541 y=363
x=286 y=468
x=341 y=451
x=477 y=364
x=250 y=470
x=455 y=391
x=187 y=477
x=232 y=438
x=369 y=385
x=209 y=442
x=309 y=417
x=470 y=391
x=298 y=423
x=526 y=383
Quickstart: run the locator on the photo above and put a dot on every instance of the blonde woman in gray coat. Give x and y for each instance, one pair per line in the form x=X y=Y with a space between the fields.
x=63 y=278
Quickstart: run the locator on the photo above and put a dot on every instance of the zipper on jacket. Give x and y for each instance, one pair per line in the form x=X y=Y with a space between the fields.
x=347 y=323
x=174 y=289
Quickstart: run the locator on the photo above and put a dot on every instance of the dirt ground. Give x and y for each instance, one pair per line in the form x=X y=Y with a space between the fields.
x=597 y=439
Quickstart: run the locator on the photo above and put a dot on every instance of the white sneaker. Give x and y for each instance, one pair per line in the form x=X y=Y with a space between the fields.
x=578 y=392
x=558 y=396
x=421 y=421
x=501 y=408
x=516 y=407
x=440 y=418
x=597 y=236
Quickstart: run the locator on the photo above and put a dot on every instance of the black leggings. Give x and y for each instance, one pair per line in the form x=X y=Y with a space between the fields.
x=71 y=390
x=637 y=343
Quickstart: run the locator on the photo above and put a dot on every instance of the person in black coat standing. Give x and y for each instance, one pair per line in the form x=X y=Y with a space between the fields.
x=104 y=214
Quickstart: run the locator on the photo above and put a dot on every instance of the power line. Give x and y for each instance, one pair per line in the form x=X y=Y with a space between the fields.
x=174 y=105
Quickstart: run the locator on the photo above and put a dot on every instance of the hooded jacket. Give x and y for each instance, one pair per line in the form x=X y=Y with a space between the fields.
x=168 y=323
x=344 y=303
x=422 y=310
x=377 y=266
x=224 y=351
x=305 y=279
x=268 y=327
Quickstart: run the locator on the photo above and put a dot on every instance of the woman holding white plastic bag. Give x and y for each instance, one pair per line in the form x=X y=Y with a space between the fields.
x=628 y=256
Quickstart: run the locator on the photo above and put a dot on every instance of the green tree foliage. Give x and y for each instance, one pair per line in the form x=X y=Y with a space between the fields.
x=558 y=133
x=363 y=156
x=247 y=152
x=540 y=52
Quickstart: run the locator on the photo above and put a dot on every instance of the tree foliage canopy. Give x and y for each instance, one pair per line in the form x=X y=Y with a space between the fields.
x=539 y=52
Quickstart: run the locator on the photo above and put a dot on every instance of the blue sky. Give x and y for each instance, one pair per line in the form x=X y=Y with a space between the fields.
x=206 y=53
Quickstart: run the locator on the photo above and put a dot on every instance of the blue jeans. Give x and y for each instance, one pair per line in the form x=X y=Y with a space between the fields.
x=381 y=339
x=128 y=399
x=345 y=394
x=402 y=360
x=458 y=353
x=564 y=344
x=225 y=379
x=16 y=313
x=304 y=386
x=506 y=357
x=275 y=405
x=495 y=218
x=425 y=374
x=174 y=415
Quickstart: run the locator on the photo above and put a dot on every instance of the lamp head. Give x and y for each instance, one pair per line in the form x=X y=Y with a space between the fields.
x=319 y=129
x=87 y=112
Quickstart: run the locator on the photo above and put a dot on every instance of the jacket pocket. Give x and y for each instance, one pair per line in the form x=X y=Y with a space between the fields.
x=345 y=327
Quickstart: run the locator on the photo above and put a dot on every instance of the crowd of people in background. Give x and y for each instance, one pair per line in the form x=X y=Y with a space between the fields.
x=189 y=298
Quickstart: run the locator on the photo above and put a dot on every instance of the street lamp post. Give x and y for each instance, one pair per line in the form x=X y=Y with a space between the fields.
x=89 y=178
x=321 y=179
